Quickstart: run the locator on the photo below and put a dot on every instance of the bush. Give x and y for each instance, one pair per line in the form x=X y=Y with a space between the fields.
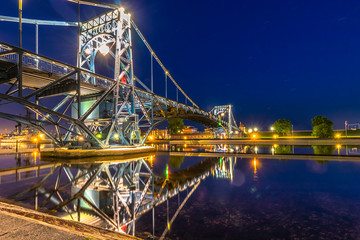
x=322 y=127
x=282 y=126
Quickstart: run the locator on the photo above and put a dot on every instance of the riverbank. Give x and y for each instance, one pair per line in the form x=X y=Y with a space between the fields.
x=20 y=223
x=282 y=141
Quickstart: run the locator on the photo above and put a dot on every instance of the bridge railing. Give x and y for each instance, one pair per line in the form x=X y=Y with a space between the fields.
x=42 y=63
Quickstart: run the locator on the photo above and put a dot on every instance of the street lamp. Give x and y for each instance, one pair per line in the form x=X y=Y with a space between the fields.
x=272 y=128
x=104 y=49
x=20 y=23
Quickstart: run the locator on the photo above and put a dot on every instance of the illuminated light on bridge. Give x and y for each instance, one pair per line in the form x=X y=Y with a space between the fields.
x=135 y=108
x=104 y=49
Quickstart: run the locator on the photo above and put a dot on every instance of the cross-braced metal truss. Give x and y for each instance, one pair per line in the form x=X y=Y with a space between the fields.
x=227 y=120
x=99 y=110
x=118 y=193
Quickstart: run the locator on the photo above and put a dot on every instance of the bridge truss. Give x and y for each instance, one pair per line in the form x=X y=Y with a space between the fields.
x=117 y=194
x=100 y=110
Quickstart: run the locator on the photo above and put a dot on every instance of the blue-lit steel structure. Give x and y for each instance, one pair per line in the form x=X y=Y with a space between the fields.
x=116 y=193
x=103 y=111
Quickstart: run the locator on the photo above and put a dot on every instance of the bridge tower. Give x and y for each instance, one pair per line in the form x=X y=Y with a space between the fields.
x=226 y=118
x=100 y=35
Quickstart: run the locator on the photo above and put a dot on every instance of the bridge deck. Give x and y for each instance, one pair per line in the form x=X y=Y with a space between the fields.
x=38 y=71
x=35 y=79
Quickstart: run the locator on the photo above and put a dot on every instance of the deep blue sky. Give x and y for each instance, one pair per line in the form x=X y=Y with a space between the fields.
x=270 y=59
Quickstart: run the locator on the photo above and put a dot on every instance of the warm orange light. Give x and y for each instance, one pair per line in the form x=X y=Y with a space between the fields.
x=253 y=136
x=35 y=140
x=275 y=136
x=338 y=135
x=81 y=138
x=41 y=135
x=151 y=137
x=185 y=138
x=338 y=146
x=255 y=165
x=275 y=145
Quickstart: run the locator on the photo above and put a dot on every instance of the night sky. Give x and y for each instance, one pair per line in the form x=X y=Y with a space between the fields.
x=270 y=59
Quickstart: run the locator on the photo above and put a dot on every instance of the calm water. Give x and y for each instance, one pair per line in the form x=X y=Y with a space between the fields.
x=238 y=198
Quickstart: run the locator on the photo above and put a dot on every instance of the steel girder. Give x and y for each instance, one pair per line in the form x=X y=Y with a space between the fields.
x=118 y=192
x=135 y=107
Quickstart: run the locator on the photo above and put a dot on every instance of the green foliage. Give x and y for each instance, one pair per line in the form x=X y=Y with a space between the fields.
x=282 y=126
x=321 y=120
x=176 y=125
x=324 y=150
x=283 y=149
x=322 y=127
x=176 y=161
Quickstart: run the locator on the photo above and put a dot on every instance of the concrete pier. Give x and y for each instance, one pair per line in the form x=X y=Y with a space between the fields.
x=95 y=153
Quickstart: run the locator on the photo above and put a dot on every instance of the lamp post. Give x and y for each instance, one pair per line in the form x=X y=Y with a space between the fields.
x=346 y=124
x=20 y=23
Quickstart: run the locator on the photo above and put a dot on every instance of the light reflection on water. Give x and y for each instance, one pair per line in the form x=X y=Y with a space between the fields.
x=241 y=198
x=274 y=149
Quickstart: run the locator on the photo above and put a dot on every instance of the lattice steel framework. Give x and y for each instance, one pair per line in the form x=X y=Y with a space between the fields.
x=227 y=120
x=117 y=193
x=133 y=105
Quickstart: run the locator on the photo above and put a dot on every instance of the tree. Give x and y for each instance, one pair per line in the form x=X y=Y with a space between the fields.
x=176 y=161
x=176 y=125
x=323 y=150
x=322 y=127
x=282 y=126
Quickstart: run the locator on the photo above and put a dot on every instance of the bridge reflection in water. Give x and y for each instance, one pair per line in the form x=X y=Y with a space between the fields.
x=113 y=193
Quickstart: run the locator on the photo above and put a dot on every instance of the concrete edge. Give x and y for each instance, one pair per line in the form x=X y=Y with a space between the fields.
x=78 y=228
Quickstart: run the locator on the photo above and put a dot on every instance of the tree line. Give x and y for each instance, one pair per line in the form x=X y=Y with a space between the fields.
x=322 y=127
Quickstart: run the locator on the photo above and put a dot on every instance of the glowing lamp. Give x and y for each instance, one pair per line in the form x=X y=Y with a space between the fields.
x=104 y=49
x=81 y=138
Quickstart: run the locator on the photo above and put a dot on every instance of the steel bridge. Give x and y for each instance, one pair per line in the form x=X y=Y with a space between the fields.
x=116 y=193
x=113 y=110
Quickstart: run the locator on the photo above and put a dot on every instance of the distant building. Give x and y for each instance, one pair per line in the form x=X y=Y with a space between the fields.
x=192 y=133
x=190 y=130
x=242 y=127
x=159 y=134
